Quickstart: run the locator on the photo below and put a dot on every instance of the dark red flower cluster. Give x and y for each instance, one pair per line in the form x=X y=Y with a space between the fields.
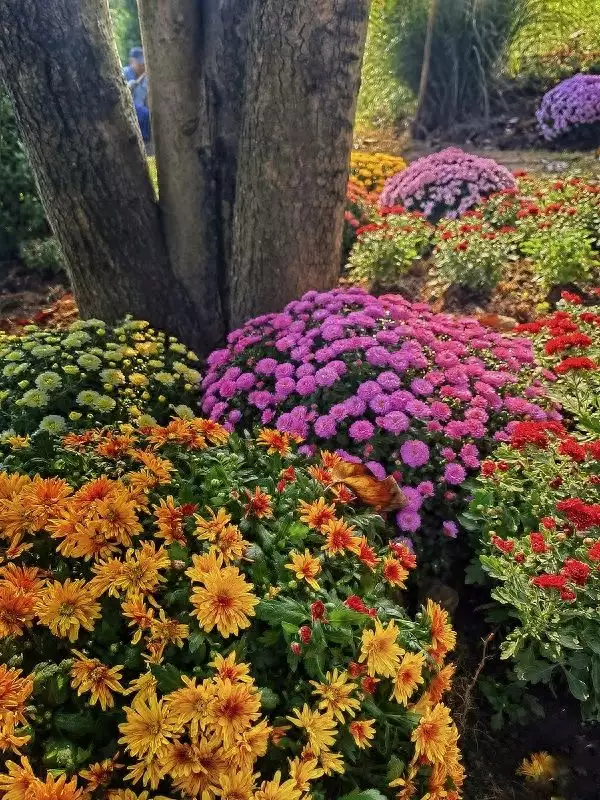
x=574 y=363
x=535 y=434
x=566 y=341
x=505 y=545
x=538 y=543
x=571 y=297
x=575 y=451
x=583 y=515
x=357 y=604
x=576 y=571
x=549 y=581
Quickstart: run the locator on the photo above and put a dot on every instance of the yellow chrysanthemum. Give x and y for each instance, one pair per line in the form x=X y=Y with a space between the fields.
x=320 y=728
x=225 y=602
x=149 y=726
x=317 y=514
x=91 y=675
x=380 y=651
x=433 y=734
x=274 y=790
x=305 y=567
x=233 y=710
x=228 y=668
x=336 y=695
x=362 y=730
x=539 y=767
x=408 y=677
x=67 y=607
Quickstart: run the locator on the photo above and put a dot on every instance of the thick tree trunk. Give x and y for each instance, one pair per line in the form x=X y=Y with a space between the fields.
x=60 y=66
x=302 y=82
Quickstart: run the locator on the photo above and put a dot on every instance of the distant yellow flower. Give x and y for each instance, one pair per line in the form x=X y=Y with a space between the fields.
x=539 y=767
x=149 y=725
x=408 y=677
x=67 y=607
x=224 y=602
x=380 y=651
x=335 y=695
x=433 y=734
x=91 y=675
x=19 y=442
x=362 y=731
x=320 y=728
x=137 y=379
x=305 y=567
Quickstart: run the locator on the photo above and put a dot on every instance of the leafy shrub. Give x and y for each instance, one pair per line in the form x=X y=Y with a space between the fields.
x=562 y=254
x=90 y=373
x=571 y=107
x=360 y=207
x=371 y=170
x=21 y=213
x=42 y=254
x=446 y=184
x=472 y=254
x=388 y=248
x=213 y=620
x=420 y=395
x=538 y=509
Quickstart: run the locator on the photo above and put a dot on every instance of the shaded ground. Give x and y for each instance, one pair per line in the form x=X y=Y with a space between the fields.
x=33 y=296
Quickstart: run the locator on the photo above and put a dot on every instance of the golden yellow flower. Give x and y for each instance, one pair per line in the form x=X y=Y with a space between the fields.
x=433 y=734
x=304 y=770
x=17 y=780
x=231 y=544
x=380 y=651
x=149 y=726
x=117 y=518
x=340 y=537
x=443 y=637
x=67 y=607
x=228 y=668
x=169 y=521
x=54 y=789
x=539 y=767
x=213 y=526
x=320 y=728
x=17 y=610
x=253 y=744
x=225 y=602
x=99 y=774
x=233 y=710
x=336 y=694
x=19 y=442
x=204 y=564
x=305 y=567
x=91 y=675
x=195 y=768
x=317 y=514
x=275 y=441
x=331 y=762
x=408 y=677
x=236 y=785
x=9 y=740
x=362 y=731
x=144 y=687
x=189 y=705
x=272 y=790
x=140 y=571
x=440 y=683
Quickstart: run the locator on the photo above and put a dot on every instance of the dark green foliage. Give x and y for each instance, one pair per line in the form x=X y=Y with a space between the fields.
x=21 y=213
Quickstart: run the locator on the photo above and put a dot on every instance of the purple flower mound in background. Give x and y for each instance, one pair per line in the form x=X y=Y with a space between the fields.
x=446 y=184
x=569 y=105
x=419 y=395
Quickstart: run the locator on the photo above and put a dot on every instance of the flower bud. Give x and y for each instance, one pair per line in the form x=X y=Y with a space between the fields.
x=305 y=634
x=295 y=648
x=317 y=610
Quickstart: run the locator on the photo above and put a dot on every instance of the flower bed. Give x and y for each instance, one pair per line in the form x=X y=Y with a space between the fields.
x=571 y=108
x=538 y=507
x=412 y=393
x=90 y=373
x=446 y=184
x=204 y=616
x=371 y=170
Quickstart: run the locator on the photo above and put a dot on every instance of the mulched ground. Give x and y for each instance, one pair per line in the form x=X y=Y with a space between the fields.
x=37 y=297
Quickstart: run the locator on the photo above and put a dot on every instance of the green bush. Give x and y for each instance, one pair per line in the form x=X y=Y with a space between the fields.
x=42 y=254
x=21 y=213
x=472 y=256
x=92 y=374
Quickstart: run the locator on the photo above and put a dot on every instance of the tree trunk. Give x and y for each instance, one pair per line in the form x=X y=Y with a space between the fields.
x=60 y=66
x=252 y=109
x=301 y=87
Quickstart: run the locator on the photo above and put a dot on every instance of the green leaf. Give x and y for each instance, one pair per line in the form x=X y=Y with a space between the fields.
x=168 y=677
x=395 y=768
x=281 y=610
x=365 y=794
x=268 y=698
x=577 y=687
x=75 y=725
x=195 y=641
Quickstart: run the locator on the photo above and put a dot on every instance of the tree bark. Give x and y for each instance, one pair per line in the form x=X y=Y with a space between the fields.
x=59 y=63
x=301 y=87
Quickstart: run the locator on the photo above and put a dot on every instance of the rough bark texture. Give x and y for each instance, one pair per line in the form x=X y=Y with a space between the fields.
x=61 y=68
x=303 y=73
x=176 y=49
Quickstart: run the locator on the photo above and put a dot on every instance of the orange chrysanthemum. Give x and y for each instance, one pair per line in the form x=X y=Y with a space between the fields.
x=275 y=441
x=443 y=637
x=258 y=505
x=305 y=567
x=91 y=675
x=225 y=602
x=317 y=514
x=67 y=607
x=393 y=572
x=340 y=538
x=433 y=734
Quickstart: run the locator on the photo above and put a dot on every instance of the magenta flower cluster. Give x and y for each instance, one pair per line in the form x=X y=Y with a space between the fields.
x=419 y=395
x=446 y=184
x=570 y=104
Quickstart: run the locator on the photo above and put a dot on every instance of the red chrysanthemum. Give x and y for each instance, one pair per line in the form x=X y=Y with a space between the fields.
x=549 y=581
x=566 y=341
x=594 y=552
x=505 y=545
x=572 y=449
x=574 y=363
x=582 y=515
x=576 y=571
x=538 y=543
x=534 y=433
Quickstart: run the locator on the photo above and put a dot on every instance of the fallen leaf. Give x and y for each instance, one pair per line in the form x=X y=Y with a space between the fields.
x=383 y=495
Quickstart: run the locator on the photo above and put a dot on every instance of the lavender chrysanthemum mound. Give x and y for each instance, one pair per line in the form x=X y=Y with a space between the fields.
x=419 y=395
x=446 y=184
x=571 y=104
